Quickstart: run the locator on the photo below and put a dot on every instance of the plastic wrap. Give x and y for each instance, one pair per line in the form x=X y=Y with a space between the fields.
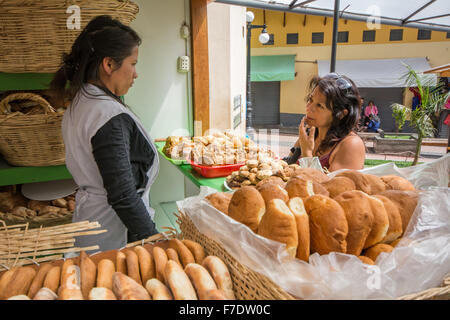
x=413 y=266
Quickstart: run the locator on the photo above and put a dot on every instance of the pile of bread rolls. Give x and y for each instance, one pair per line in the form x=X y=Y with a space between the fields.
x=182 y=271
x=354 y=213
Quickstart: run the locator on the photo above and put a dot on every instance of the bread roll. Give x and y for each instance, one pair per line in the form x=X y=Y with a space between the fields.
x=160 y=257
x=184 y=254
x=362 y=183
x=215 y=294
x=380 y=223
x=247 y=206
x=158 y=290
x=396 y=242
x=178 y=282
x=19 y=297
x=173 y=255
x=299 y=187
x=359 y=217
x=121 y=262
x=271 y=179
x=335 y=186
x=219 y=271
x=6 y=277
x=395 y=220
x=20 y=282
x=311 y=174
x=52 y=279
x=366 y=260
x=327 y=225
x=201 y=279
x=39 y=279
x=146 y=263
x=100 y=293
x=278 y=224
x=302 y=222
x=374 y=251
x=320 y=189
x=125 y=288
x=88 y=274
x=197 y=250
x=271 y=191
x=45 y=293
x=70 y=275
x=70 y=293
x=220 y=201
x=393 y=182
x=133 y=266
x=105 y=272
x=406 y=202
x=376 y=184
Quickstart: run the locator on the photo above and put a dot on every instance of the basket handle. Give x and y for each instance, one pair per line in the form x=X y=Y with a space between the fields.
x=5 y=108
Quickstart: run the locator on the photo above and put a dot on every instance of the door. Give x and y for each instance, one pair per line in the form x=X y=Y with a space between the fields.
x=266 y=103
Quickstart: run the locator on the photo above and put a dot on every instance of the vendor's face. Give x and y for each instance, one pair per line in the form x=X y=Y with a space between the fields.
x=317 y=113
x=123 y=78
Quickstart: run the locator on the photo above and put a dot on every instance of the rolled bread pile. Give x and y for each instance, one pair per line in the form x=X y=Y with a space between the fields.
x=354 y=213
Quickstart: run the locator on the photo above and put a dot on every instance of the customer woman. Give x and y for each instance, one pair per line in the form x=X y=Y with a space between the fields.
x=328 y=129
x=108 y=152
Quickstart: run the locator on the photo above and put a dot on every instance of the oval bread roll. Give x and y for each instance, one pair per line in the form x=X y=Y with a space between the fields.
x=362 y=183
x=247 y=207
x=376 y=184
x=406 y=202
x=71 y=277
x=216 y=294
x=146 y=263
x=70 y=293
x=105 y=272
x=393 y=182
x=184 y=254
x=299 y=187
x=271 y=191
x=197 y=250
x=178 y=282
x=88 y=274
x=19 y=297
x=220 y=201
x=45 y=293
x=380 y=223
x=121 y=262
x=374 y=252
x=302 y=222
x=133 y=266
x=125 y=288
x=158 y=290
x=335 y=186
x=366 y=260
x=64 y=273
x=20 y=282
x=39 y=279
x=6 y=277
x=271 y=179
x=173 y=255
x=99 y=293
x=219 y=271
x=160 y=257
x=311 y=174
x=52 y=279
x=395 y=220
x=201 y=279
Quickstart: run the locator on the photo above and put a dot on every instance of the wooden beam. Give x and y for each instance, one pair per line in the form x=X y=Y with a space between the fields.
x=200 y=66
x=284 y=19
x=304 y=20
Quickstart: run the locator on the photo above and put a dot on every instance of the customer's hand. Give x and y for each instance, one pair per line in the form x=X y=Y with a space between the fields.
x=306 y=140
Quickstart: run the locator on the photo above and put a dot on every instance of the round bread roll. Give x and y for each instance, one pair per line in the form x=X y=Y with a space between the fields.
x=406 y=202
x=395 y=220
x=327 y=224
x=299 y=187
x=376 y=184
x=247 y=206
x=335 y=186
x=373 y=252
x=271 y=179
x=220 y=200
x=361 y=181
x=359 y=216
x=320 y=189
x=278 y=224
x=380 y=223
x=302 y=221
x=393 y=182
x=271 y=191
x=311 y=174
x=366 y=260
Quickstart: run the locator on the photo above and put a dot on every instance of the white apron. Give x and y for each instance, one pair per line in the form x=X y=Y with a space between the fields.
x=81 y=121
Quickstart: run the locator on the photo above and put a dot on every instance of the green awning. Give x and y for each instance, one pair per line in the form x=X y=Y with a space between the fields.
x=272 y=68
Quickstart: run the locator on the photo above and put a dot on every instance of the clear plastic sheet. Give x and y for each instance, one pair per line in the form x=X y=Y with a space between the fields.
x=413 y=266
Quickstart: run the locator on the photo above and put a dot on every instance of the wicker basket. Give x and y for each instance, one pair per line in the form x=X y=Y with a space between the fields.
x=250 y=285
x=31 y=140
x=35 y=34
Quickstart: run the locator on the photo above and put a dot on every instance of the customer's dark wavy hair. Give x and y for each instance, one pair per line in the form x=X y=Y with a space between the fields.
x=102 y=37
x=338 y=100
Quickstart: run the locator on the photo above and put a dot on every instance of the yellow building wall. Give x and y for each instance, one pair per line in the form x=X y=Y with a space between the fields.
x=293 y=93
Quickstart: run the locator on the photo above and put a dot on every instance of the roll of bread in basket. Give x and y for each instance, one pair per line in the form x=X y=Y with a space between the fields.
x=353 y=212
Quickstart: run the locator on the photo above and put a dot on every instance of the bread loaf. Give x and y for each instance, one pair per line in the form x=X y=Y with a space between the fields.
x=52 y=279
x=215 y=294
x=45 y=293
x=271 y=191
x=247 y=206
x=173 y=255
x=406 y=202
x=70 y=293
x=100 y=293
x=374 y=252
x=302 y=223
x=376 y=184
x=197 y=250
x=335 y=186
x=393 y=182
x=160 y=257
x=219 y=271
x=178 y=282
x=271 y=179
x=311 y=174
x=201 y=279
x=359 y=217
x=395 y=221
x=327 y=225
x=366 y=260
x=105 y=272
x=121 y=262
x=125 y=288
x=380 y=223
x=362 y=183
x=299 y=187
x=320 y=189
x=19 y=297
x=20 y=282
x=220 y=201
x=146 y=263
x=70 y=275
x=184 y=254
x=6 y=277
x=133 y=266
x=39 y=279
x=158 y=290
x=88 y=274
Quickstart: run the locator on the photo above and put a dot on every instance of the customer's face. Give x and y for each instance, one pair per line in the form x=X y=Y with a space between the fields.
x=123 y=78
x=317 y=113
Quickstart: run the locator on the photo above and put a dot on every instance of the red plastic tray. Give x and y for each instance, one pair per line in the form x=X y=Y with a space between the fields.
x=215 y=171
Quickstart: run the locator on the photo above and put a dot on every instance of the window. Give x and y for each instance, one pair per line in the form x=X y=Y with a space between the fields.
x=368 y=35
x=423 y=34
x=396 y=35
x=342 y=36
x=292 y=38
x=271 y=39
x=448 y=35
x=317 y=37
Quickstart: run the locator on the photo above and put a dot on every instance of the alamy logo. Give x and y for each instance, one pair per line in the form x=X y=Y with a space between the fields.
x=374 y=280
x=373 y=21
x=74 y=20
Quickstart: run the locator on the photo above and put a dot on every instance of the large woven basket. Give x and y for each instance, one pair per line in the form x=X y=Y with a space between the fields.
x=31 y=140
x=250 y=285
x=35 y=34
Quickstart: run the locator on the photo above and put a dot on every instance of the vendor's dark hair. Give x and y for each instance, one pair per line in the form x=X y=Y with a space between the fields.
x=338 y=99
x=102 y=37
